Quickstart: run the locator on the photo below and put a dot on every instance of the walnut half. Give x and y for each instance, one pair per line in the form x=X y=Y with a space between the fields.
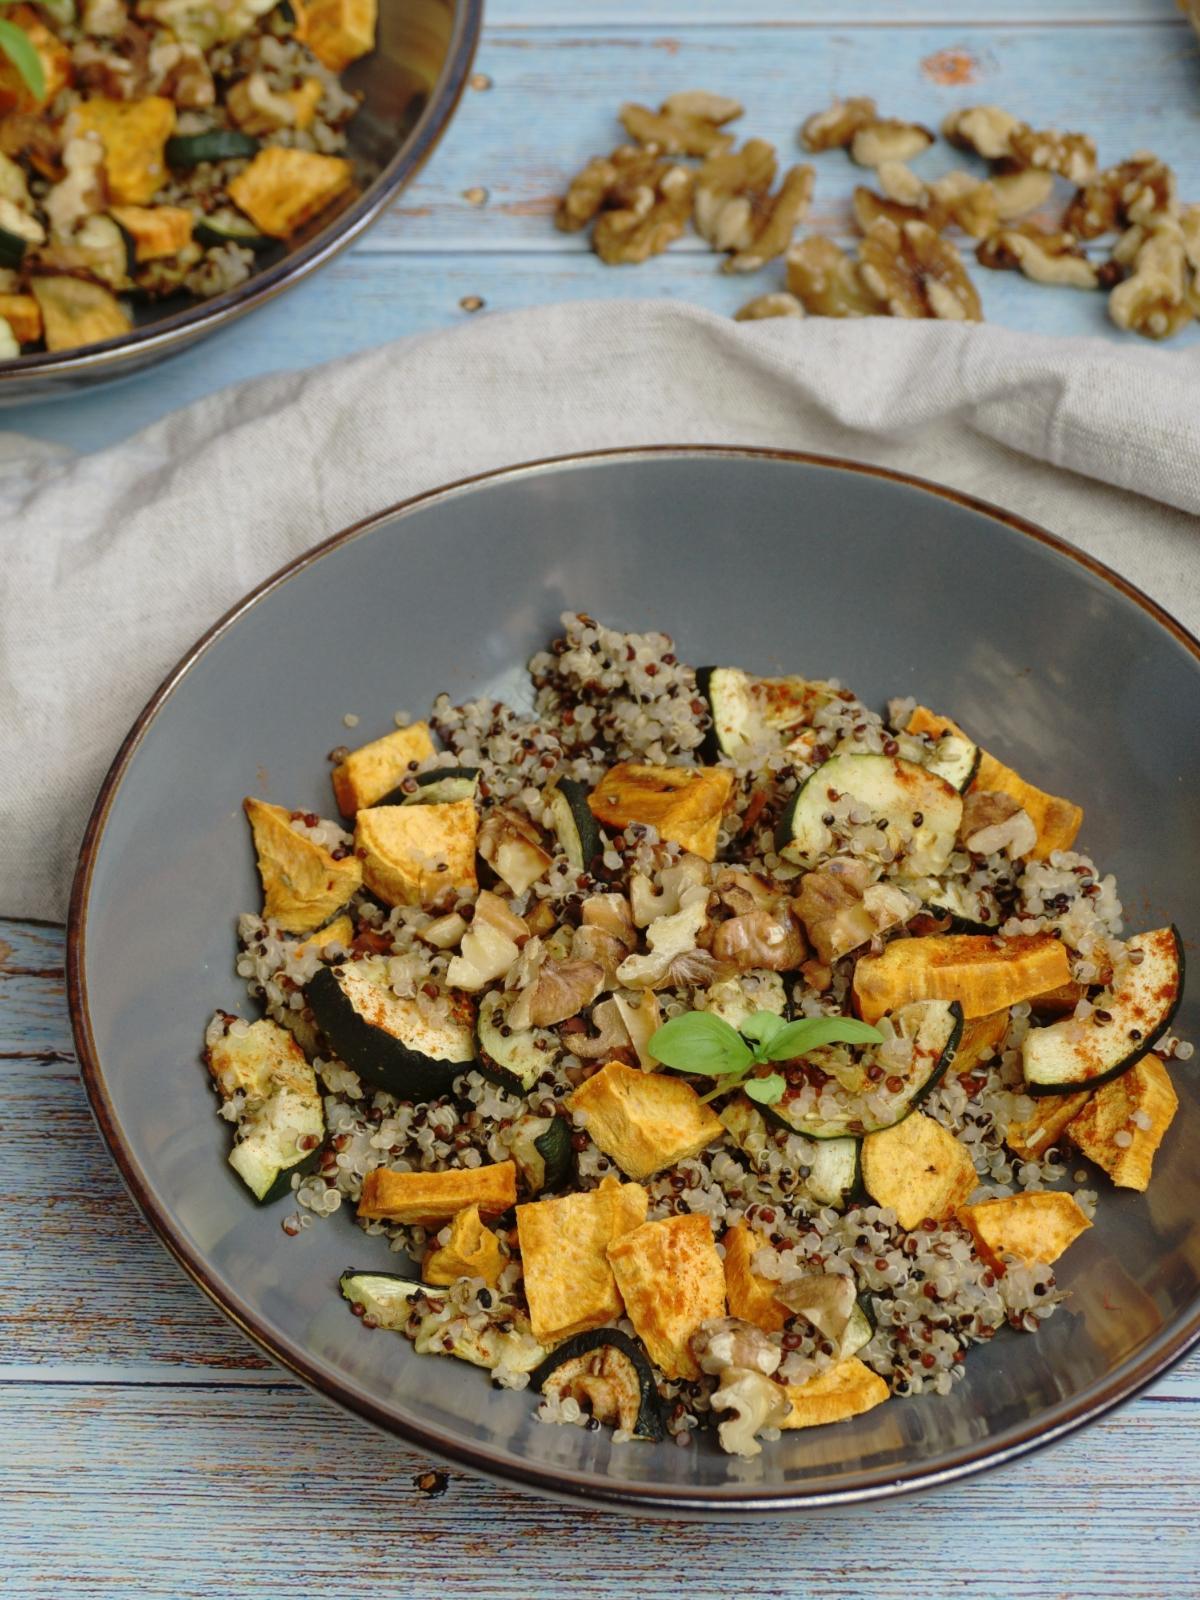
x=917 y=273
x=834 y=128
x=826 y=280
x=1046 y=257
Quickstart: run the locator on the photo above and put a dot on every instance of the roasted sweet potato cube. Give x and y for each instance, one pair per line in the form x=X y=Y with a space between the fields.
x=1030 y=1140
x=918 y=1169
x=1057 y=821
x=423 y=1199
x=375 y=769
x=564 y=1242
x=303 y=885
x=968 y=967
x=54 y=55
x=672 y=1280
x=77 y=312
x=418 y=855
x=282 y=189
x=685 y=804
x=23 y=315
x=156 y=231
x=844 y=1390
x=472 y=1251
x=644 y=1121
x=1124 y=1122
x=980 y=1040
x=339 y=31
x=340 y=931
x=1027 y=1227
x=134 y=134
x=751 y=1297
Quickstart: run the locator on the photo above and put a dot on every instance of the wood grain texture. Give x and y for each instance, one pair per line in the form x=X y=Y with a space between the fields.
x=263 y=1492
x=1126 y=70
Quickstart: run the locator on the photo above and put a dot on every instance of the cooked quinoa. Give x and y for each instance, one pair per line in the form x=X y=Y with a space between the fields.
x=576 y=953
x=172 y=148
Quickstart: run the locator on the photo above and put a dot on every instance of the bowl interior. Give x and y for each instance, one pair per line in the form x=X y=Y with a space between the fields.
x=774 y=564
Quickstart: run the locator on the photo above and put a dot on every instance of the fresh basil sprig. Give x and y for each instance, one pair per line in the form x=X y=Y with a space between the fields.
x=701 y=1042
x=16 y=44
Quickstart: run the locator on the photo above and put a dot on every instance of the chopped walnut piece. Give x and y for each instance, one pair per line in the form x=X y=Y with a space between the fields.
x=889 y=140
x=761 y=939
x=901 y=184
x=1102 y=205
x=917 y=273
x=968 y=201
x=869 y=206
x=673 y=134
x=1158 y=298
x=779 y=304
x=785 y=210
x=1046 y=257
x=729 y=188
x=826 y=280
x=586 y=193
x=992 y=821
x=833 y=129
x=656 y=218
x=985 y=129
x=999 y=136
x=715 y=108
x=1020 y=192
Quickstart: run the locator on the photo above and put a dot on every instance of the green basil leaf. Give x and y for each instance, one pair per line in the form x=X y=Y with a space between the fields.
x=700 y=1042
x=809 y=1033
x=766 y=1090
x=762 y=1027
x=16 y=44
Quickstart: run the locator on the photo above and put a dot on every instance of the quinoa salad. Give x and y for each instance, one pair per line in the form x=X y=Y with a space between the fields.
x=717 y=1055
x=153 y=148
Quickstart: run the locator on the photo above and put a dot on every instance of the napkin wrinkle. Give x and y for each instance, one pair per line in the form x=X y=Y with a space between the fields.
x=116 y=562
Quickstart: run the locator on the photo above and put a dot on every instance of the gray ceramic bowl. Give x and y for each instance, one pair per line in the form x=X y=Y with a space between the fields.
x=775 y=563
x=410 y=85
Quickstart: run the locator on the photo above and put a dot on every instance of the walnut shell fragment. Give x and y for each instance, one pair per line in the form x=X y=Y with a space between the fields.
x=826 y=280
x=764 y=306
x=917 y=273
x=834 y=128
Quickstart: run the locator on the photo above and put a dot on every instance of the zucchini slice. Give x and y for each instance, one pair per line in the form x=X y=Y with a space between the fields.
x=969 y=910
x=860 y=1330
x=220 y=144
x=12 y=248
x=574 y=824
x=515 y=1058
x=230 y=227
x=393 y=1044
x=735 y=999
x=438 y=788
x=282 y=1125
x=1080 y=1054
x=955 y=758
x=607 y=1371
x=384 y=1296
x=912 y=812
x=750 y=715
x=830 y=1170
x=542 y=1151
x=865 y=1104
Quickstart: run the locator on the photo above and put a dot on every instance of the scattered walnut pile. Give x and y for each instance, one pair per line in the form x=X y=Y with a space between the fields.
x=685 y=165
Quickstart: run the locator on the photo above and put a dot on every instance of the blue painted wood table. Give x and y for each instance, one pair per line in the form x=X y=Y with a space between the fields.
x=150 y=1450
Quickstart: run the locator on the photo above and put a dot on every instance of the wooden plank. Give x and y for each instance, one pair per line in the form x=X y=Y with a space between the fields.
x=266 y=1491
x=644 y=14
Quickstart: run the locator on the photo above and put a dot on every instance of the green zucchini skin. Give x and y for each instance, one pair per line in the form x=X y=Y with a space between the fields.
x=576 y=828
x=710 y=748
x=554 y=1147
x=283 y=1183
x=209 y=232
x=509 y=1060
x=12 y=249
x=649 y=1424
x=385 y=1294
x=1140 y=1047
x=378 y=1057
x=221 y=144
x=439 y=787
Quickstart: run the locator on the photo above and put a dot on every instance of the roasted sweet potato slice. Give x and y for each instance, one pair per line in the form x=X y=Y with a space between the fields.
x=972 y=968
x=1124 y=1121
x=1027 y=1227
x=918 y=1169
x=424 y=1198
x=751 y=1297
x=1057 y=821
x=685 y=804
x=845 y=1390
x=979 y=1041
x=472 y=1251
x=672 y=1280
x=1030 y=1140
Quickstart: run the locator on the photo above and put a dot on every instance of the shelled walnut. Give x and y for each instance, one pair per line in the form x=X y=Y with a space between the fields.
x=1046 y=256
x=1159 y=297
x=889 y=139
x=729 y=187
x=826 y=281
x=638 y=201
x=764 y=306
x=677 y=133
x=834 y=128
x=917 y=273
x=997 y=135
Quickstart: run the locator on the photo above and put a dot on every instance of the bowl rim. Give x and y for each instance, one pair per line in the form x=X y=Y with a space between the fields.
x=571 y=1485
x=203 y=317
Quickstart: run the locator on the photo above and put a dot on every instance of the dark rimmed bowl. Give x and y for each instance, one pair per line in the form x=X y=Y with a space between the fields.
x=410 y=85
x=772 y=561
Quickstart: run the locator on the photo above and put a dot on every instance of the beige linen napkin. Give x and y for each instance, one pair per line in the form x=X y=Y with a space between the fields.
x=114 y=563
